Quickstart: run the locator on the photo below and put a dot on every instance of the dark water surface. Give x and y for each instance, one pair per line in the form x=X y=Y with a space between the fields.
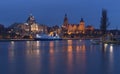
x=58 y=57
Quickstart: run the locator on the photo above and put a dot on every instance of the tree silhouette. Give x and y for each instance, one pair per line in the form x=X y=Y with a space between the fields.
x=104 y=21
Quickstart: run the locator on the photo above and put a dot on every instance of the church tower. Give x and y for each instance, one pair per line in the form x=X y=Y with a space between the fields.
x=31 y=19
x=82 y=26
x=33 y=26
x=65 y=19
x=65 y=22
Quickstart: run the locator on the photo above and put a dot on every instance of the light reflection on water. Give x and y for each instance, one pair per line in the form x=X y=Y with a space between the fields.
x=11 y=50
x=60 y=57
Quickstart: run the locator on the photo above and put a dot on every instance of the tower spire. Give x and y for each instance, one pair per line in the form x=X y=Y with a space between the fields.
x=81 y=20
x=65 y=15
x=31 y=19
x=65 y=19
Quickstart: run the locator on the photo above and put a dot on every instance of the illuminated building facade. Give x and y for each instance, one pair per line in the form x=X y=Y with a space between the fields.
x=30 y=28
x=73 y=28
x=33 y=26
x=65 y=23
x=81 y=26
x=89 y=28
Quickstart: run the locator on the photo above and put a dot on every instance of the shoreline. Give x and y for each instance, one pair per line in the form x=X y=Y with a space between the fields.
x=16 y=39
x=46 y=40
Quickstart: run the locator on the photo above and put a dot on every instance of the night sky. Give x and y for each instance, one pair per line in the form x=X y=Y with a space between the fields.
x=51 y=12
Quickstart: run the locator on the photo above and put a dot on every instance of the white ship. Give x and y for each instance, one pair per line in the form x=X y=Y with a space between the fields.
x=45 y=37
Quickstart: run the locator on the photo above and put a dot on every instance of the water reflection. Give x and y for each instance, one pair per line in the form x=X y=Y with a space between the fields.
x=51 y=47
x=64 y=57
x=33 y=57
x=33 y=47
x=11 y=51
x=111 y=57
x=70 y=56
x=70 y=46
x=107 y=47
x=52 y=56
x=75 y=57
x=111 y=48
x=108 y=54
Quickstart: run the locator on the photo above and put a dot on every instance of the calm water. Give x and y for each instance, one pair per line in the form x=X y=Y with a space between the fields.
x=58 y=57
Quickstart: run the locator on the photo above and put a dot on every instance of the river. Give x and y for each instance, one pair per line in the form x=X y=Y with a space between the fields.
x=58 y=57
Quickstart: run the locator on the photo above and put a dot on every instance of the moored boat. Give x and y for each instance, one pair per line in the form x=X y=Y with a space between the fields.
x=45 y=37
x=111 y=42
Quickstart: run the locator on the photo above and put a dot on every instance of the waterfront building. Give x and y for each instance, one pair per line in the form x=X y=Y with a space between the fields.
x=73 y=28
x=81 y=27
x=89 y=28
x=31 y=22
x=34 y=27
x=65 y=23
x=29 y=28
x=54 y=29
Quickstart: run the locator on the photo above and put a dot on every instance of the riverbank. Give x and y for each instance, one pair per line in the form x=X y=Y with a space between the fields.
x=48 y=40
x=16 y=39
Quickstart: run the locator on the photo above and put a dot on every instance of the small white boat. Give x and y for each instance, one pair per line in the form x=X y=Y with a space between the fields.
x=107 y=41
x=111 y=42
x=96 y=41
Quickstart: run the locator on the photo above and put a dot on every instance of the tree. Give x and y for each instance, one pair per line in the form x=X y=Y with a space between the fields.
x=104 y=21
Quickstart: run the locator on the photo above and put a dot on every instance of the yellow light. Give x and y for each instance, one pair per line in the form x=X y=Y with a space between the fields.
x=69 y=33
x=70 y=46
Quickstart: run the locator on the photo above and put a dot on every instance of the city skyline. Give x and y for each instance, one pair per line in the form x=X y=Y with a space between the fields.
x=52 y=12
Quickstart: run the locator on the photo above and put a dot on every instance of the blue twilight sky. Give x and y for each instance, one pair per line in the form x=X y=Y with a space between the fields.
x=51 y=12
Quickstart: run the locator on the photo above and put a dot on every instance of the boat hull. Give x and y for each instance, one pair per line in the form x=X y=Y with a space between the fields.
x=44 y=39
